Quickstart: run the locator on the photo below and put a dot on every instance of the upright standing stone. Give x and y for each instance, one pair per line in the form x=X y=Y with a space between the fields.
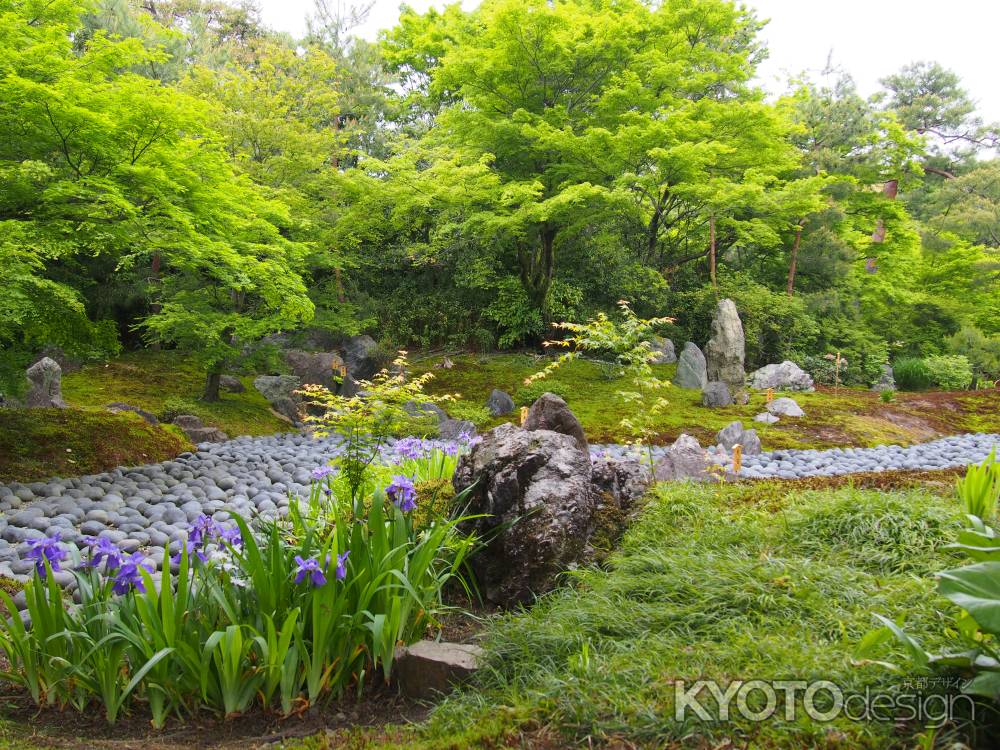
x=691 y=368
x=45 y=377
x=499 y=403
x=726 y=350
x=550 y=412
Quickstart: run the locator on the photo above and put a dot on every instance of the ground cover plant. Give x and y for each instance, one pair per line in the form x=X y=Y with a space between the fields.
x=734 y=582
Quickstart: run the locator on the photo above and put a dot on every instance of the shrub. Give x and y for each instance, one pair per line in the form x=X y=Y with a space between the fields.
x=979 y=489
x=912 y=374
x=174 y=406
x=949 y=372
x=982 y=351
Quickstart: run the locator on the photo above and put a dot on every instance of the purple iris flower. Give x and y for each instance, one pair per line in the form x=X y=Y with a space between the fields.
x=103 y=550
x=193 y=550
x=44 y=549
x=409 y=448
x=342 y=565
x=321 y=471
x=129 y=574
x=310 y=568
x=402 y=493
x=230 y=535
x=450 y=449
x=202 y=530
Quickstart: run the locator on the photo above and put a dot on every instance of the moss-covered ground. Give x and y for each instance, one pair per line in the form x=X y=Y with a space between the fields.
x=834 y=417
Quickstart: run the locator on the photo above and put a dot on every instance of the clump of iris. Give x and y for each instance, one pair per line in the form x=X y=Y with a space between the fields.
x=206 y=531
x=402 y=493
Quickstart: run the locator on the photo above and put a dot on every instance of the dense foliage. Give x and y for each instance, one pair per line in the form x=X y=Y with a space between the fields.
x=173 y=173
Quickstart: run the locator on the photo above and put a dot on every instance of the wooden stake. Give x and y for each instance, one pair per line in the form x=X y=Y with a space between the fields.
x=737 y=458
x=524 y=414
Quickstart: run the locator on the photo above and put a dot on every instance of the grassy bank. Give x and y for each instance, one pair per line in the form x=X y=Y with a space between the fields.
x=733 y=583
x=841 y=417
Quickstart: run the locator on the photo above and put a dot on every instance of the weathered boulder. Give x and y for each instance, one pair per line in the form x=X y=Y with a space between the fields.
x=726 y=350
x=231 y=384
x=118 y=406
x=663 y=348
x=685 y=459
x=499 y=403
x=785 y=407
x=362 y=357
x=716 y=394
x=315 y=368
x=196 y=430
x=766 y=418
x=274 y=387
x=733 y=434
x=456 y=429
x=64 y=360
x=787 y=376
x=426 y=669
x=550 y=412
x=620 y=481
x=45 y=379
x=692 y=370
x=887 y=381
x=533 y=490
x=288 y=408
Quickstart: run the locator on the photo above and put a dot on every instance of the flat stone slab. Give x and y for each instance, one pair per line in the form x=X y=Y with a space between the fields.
x=428 y=669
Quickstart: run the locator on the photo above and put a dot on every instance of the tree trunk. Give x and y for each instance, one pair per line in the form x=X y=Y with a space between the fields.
x=212 y=382
x=537 y=265
x=155 y=307
x=711 y=252
x=794 y=262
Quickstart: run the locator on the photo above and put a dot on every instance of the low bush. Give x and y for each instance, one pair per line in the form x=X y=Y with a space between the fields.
x=949 y=372
x=912 y=374
x=478 y=415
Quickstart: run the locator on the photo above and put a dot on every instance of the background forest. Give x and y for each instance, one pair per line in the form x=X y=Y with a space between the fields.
x=173 y=174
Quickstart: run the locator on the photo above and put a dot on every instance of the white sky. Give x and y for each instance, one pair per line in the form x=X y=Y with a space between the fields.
x=868 y=38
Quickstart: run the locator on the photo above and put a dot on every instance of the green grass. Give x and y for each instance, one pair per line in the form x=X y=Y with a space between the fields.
x=149 y=379
x=847 y=416
x=39 y=443
x=717 y=583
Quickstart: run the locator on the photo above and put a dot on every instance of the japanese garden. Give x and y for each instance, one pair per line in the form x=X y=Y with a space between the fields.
x=521 y=374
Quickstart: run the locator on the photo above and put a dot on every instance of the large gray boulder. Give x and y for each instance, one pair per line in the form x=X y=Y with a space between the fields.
x=692 y=370
x=499 y=403
x=726 y=350
x=716 y=394
x=532 y=489
x=280 y=391
x=315 y=368
x=362 y=357
x=550 y=412
x=685 y=459
x=45 y=385
x=663 y=349
x=787 y=376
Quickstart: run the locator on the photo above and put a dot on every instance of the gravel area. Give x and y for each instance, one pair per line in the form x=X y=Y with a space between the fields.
x=151 y=507
x=949 y=452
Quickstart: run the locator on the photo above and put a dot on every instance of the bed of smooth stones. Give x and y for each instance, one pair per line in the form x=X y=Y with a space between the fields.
x=150 y=508
x=946 y=453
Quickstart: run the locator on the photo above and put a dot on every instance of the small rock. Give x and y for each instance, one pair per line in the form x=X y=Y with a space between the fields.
x=429 y=668
x=663 y=348
x=456 y=429
x=231 y=384
x=787 y=376
x=716 y=394
x=45 y=379
x=766 y=418
x=785 y=407
x=117 y=406
x=685 y=459
x=499 y=403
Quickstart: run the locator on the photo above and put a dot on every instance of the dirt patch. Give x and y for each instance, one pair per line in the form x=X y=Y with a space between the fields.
x=51 y=728
x=918 y=427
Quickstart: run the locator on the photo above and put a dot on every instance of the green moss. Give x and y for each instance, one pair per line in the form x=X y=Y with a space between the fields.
x=40 y=443
x=150 y=380
x=845 y=416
